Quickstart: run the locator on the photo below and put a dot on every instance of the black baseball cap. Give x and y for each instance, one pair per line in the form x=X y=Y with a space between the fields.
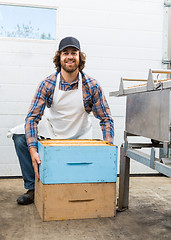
x=69 y=42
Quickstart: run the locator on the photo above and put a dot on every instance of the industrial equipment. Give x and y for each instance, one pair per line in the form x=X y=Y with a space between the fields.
x=148 y=114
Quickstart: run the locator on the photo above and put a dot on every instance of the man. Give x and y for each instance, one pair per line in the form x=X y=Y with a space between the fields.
x=70 y=95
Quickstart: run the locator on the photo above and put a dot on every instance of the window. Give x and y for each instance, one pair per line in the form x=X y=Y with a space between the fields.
x=27 y=22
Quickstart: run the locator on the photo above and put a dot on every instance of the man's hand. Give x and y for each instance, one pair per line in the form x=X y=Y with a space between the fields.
x=35 y=161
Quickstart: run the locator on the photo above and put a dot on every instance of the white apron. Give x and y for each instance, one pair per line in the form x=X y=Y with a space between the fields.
x=66 y=118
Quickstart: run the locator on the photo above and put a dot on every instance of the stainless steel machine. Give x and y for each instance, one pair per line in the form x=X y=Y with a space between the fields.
x=148 y=114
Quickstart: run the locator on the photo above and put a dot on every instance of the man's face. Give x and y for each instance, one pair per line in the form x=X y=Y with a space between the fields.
x=69 y=59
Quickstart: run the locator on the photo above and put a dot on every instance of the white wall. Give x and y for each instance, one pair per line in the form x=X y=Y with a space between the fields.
x=120 y=38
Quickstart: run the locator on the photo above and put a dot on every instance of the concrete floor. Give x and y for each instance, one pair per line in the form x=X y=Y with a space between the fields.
x=148 y=216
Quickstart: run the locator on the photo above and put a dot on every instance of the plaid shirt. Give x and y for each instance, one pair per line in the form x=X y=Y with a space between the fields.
x=93 y=98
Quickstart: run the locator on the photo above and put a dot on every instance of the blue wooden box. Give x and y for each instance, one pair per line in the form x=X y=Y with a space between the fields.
x=77 y=161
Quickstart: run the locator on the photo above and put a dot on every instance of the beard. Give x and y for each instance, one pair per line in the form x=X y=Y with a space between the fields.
x=69 y=69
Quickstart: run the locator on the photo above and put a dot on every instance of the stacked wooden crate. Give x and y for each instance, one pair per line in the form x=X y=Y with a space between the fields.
x=77 y=179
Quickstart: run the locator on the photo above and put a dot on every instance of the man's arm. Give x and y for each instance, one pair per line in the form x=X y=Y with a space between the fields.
x=43 y=94
x=102 y=112
x=34 y=116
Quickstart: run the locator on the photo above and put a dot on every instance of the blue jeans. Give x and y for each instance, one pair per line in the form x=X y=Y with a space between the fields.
x=25 y=160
